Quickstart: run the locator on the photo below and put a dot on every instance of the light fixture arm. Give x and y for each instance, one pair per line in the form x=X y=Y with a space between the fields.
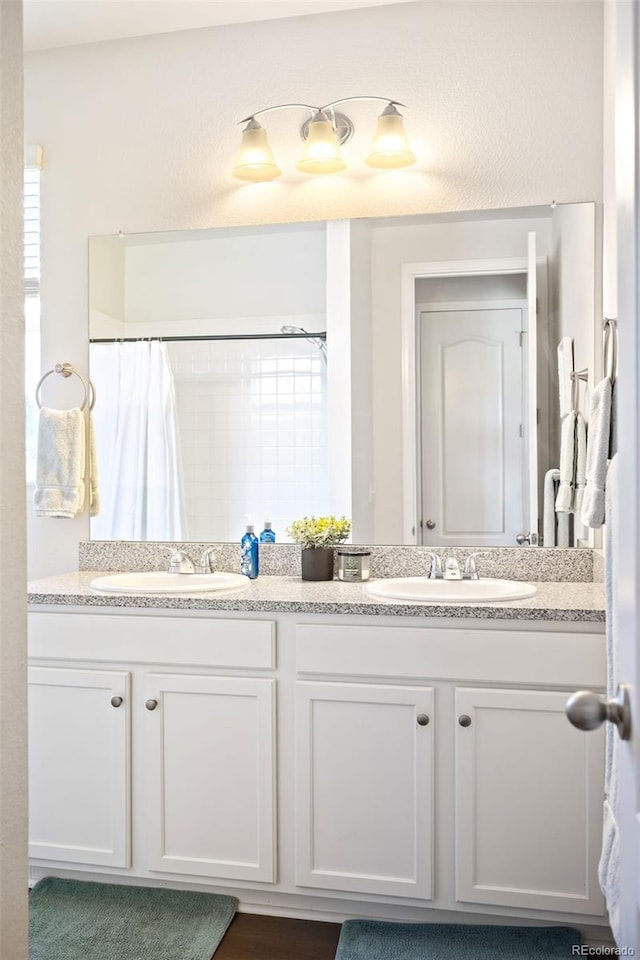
x=279 y=106
x=334 y=103
x=313 y=110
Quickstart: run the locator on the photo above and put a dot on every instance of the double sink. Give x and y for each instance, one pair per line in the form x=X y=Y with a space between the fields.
x=401 y=588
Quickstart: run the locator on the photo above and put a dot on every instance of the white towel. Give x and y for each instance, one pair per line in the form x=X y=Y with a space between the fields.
x=94 y=495
x=555 y=532
x=573 y=463
x=60 y=463
x=609 y=867
x=565 y=369
x=580 y=478
x=597 y=455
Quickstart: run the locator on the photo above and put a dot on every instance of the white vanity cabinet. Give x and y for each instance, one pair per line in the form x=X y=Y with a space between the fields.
x=209 y=748
x=152 y=753
x=528 y=802
x=408 y=764
x=518 y=790
x=79 y=765
x=364 y=788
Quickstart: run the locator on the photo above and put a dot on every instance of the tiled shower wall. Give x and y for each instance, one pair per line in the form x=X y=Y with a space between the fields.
x=252 y=418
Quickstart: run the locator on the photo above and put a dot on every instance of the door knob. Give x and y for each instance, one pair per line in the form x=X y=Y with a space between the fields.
x=151 y=704
x=116 y=701
x=588 y=711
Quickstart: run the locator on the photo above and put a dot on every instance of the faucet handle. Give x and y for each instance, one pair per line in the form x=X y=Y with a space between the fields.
x=470 y=569
x=180 y=562
x=435 y=572
x=206 y=564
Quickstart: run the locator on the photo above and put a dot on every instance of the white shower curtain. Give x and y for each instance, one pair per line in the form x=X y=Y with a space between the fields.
x=138 y=444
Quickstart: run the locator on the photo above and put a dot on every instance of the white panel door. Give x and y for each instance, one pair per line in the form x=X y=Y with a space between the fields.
x=79 y=763
x=472 y=423
x=364 y=788
x=529 y=790
x=210 y=784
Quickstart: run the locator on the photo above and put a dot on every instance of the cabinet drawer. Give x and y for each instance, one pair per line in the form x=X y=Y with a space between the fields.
x=479 y=654
x=190 y=641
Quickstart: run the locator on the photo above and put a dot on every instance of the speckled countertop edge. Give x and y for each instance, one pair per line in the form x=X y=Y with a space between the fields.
x=570 y=602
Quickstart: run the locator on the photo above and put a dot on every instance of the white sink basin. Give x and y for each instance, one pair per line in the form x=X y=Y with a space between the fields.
x=450 y=591
x=161 y=582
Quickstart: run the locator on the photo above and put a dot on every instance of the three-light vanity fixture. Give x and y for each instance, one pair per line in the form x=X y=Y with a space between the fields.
x=323 y=134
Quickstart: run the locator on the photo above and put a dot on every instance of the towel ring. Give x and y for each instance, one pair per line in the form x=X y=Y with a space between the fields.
x=66 y=370
x=610 y=347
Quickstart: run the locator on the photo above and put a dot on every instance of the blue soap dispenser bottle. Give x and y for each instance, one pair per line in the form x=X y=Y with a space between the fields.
x=268 y=534
x=249 y=562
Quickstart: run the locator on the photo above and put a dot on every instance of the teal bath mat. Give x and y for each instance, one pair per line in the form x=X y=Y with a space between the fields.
x=375 y=940
x=73 y=920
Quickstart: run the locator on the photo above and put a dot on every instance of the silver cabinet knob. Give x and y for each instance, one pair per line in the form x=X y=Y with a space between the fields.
x=423 y=719
x=430 y=524
x=464 y=720
x=523 y=538
x=588 y=711
x=151 y=704
x=116 y=701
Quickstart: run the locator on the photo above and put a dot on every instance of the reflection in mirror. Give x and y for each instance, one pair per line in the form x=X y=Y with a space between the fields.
x=215 y=393
x=402 y=371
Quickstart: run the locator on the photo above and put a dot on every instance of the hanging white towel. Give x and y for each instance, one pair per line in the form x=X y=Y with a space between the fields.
x=580 y=477
x=60 y=463
x=94 y=495
x=555 y=531
x=573 y=463
x=565 y=369
x=609 y=867
x=597 y=455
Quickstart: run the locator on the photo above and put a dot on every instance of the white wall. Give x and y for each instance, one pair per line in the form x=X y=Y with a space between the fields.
x=392 y=246
x=504 y=109
x=267 y=272
x=13 y=633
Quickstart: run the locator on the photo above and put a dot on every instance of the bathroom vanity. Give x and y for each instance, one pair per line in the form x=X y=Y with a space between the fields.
x=319 y=752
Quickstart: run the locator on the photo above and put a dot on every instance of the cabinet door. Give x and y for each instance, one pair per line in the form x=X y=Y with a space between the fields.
x=529 y=793
x=364 y=788
x=210 y=800
x=79 y=762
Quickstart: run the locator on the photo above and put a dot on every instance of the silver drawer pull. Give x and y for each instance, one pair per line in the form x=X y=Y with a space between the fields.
x=151 y=704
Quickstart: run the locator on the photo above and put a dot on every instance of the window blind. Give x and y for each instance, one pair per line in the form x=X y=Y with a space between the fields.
x=31 y=231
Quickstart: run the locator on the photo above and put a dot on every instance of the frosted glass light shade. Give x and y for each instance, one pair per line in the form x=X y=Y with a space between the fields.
x=321 y=151
x=255 y=160
x=391 y=148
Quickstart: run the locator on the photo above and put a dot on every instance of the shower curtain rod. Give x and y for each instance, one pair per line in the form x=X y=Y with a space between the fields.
x=227 y=336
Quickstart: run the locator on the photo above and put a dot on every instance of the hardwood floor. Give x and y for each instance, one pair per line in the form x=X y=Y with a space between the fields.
x=252 y=937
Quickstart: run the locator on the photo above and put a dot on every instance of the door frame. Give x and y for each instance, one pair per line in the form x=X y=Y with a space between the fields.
x=410 y=272
x=452 y=306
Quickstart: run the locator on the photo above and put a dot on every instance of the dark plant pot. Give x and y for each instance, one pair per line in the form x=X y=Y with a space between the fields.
x=317 y=564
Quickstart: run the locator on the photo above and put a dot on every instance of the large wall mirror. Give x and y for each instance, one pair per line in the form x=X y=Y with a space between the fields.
x=402 y=371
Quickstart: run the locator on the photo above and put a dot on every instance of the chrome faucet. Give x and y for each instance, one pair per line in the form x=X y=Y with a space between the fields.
x=182 y=564
x=451 y=568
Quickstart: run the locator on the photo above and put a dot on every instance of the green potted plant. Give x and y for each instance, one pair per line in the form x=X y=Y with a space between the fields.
x=318 y=536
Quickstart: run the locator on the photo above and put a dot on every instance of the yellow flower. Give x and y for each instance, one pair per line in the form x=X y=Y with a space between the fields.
x=319 y=531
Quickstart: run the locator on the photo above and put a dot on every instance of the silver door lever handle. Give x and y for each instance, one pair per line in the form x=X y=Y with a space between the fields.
x=588 y=711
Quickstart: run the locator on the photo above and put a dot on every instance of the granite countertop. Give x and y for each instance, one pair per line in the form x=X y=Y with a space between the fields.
x=577 y=602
